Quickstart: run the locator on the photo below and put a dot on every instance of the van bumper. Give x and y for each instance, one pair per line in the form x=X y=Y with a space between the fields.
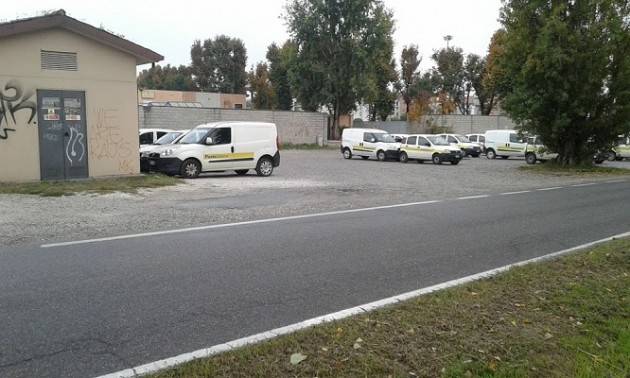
x=276 y=159
x=170 y=166
x=450 y=157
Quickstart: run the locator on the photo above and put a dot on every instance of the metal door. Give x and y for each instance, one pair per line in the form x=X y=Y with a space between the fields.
x=62 y=135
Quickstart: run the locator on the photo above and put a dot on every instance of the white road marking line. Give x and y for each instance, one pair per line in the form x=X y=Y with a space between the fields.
x=156 y=366
x=583 y=185
x=512 y=193
x=226 y=225
x=474 y=197
x=548 y=189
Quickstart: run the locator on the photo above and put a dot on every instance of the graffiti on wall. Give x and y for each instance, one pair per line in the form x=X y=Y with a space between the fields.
x=14 y=99
x=107 y=141
x=75 y=149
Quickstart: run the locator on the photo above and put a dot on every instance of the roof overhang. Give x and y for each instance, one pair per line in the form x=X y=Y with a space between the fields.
x=59 y=19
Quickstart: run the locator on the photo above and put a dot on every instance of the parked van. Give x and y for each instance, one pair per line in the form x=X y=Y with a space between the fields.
x=621 y=150
x=369 y=143
x=435 y=148
x=462 y=142
x=505 y=144
x=149 y=136
x=170 y=138
x=536 y=151
x=219 y=147
x=480 y=139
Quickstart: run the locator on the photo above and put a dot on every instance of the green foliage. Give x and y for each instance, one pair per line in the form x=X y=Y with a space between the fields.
x=409 y=63
x=167 y=78
x=219 y=64
x=281 y=60
x=449 y=77
x=337 y=44
x=263 y=95
x=566 y=72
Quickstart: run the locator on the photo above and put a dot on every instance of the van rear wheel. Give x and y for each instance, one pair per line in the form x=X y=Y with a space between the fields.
x=530 y=158
x=380 y=156
x=437 y=159
x=264 y=167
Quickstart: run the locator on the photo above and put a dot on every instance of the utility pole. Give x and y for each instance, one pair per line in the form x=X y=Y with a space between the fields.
x=448 y=39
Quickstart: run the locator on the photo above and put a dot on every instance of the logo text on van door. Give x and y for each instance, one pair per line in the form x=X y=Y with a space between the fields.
x=237 y=156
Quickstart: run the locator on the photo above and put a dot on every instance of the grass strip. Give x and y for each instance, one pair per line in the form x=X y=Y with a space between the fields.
x=568 y=317
x=552 y=169
x=101 y=186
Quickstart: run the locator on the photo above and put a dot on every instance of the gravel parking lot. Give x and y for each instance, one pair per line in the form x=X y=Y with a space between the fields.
x=306 y=182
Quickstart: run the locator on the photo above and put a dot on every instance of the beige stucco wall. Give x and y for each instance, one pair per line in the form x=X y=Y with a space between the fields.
x=108 y=78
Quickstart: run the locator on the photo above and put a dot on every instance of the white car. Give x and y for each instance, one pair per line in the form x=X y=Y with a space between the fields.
x=621 y=150
x=536 y=151
x=220 y=147
x=149 y=136
x=462 y=142
x=369 y=143
x=479 y=139
x=435 y=148
x=505 y=144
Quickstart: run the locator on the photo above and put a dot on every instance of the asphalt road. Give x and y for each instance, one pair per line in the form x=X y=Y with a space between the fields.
x=91 y=309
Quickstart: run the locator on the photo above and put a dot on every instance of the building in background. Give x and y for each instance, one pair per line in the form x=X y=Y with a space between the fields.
x=68 y=104
x=160 y=97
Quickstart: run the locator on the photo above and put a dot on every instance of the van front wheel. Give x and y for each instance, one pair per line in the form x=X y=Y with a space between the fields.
x=190 y=169
x=490 y=154
x=380 y=156
x=404 y=158
x=347 y=154
x=264 y=167
x=530 y=158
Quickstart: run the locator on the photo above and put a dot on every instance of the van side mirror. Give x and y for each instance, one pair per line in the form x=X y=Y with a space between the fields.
x=209 y=141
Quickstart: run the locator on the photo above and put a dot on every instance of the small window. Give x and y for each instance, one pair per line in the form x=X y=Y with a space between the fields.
x=451 y=139
x=221 y=135
x=59 y=61
x=146 y=138
x=369 y=137
x=482 y=139
x=472 y=138
x=423 y=142
x=160 y=134
x=412 y=140
x=403 y=140
x=514 y=138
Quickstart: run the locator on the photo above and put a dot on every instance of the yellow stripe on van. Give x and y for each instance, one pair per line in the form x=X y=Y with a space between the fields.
x=229 y=156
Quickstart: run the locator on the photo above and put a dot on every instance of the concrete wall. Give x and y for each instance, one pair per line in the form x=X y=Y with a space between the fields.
x=458 y=124
x=108 y=78
x=293 y=127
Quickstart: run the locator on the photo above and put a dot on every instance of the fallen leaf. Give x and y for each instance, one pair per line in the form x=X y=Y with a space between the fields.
x=325 y=349
x=296 y=358
x=359 y=340
x=513 y=323
x=356 y=346
x=548 y=336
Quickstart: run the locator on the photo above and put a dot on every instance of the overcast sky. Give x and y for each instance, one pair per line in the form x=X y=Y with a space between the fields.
x=169 y=27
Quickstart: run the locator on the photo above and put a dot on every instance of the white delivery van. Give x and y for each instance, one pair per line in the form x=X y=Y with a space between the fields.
x=435 y=148
x=505 y=144
x=621 y=150
x=537 y=151
x=149 y=136
x=462 y=142
x=220 y=147
x=369 y=143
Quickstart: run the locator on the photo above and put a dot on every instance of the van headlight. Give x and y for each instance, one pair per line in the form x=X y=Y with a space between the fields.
x=168 y=152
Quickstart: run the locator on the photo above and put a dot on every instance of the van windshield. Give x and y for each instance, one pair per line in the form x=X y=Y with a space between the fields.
x=194 y=136
x=438 y=140
x=385 y=138
x=168 y=138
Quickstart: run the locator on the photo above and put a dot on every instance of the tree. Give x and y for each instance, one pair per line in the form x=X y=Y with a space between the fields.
x=280 y=63
x=421 y=91
x=336 y=45
x=263 y=96
x=167 y=78
x=219 y=64
x=567 y=72
x=493 y=75
x=449 y=76
x=382 y=96
x=409 y=63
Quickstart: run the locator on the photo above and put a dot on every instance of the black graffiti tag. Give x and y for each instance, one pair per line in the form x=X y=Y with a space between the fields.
x=12 y=100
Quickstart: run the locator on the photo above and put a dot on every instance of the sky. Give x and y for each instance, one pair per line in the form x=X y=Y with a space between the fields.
x=170 y=27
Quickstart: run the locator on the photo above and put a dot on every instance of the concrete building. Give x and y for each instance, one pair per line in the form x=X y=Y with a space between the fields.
x=68 y=100
x=158 y=97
